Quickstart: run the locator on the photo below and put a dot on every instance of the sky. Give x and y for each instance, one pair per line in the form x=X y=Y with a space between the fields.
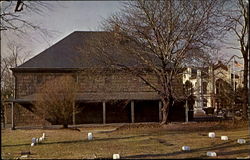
x=65 y=17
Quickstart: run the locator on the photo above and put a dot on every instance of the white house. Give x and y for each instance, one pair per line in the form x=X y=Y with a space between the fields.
x=204 y=82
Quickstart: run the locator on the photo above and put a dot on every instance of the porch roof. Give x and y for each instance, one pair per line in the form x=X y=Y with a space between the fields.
x=98 y=97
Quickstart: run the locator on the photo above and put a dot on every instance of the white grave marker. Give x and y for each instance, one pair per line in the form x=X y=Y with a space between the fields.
x=211 y=154
x=32 y=144
x=224 y=138
x=211 y=134
x=24 y=156
x=43 y=136
x=116 y=156
x=40 y=139
x=33 y=140
x=90 y=136
x=241 y=141
x=37 y=140
x=185 y=148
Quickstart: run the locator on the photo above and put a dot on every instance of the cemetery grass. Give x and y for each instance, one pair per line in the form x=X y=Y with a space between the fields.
x=130 y=141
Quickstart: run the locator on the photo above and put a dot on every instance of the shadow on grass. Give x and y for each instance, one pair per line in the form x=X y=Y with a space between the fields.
x=205 y=149
x=234 y=152
x=78 y=141
x=227 y=144
x=162 y=141
x=176 y=132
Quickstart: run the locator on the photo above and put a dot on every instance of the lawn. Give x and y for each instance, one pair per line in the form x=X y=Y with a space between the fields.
x=130 y=141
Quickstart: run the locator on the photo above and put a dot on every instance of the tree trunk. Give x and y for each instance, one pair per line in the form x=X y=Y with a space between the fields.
x=167 y=102
x=245 y=91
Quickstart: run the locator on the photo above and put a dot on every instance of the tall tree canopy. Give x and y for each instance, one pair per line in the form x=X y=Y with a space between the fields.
x=162 y=36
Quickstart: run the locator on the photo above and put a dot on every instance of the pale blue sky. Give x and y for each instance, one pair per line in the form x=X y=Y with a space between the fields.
x=67 y=17
x=64 y=18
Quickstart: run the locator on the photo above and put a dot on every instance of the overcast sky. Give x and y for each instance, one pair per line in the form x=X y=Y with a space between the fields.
x=66 y=17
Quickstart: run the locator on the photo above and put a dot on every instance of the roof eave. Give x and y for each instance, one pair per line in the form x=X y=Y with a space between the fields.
x=43 y=69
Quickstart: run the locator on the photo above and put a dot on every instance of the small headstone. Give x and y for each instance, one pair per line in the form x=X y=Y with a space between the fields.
x=90 y=136
x=211 y=134
x=211 y=154
x=116 y=156
x=37 y=140
x=241 y=141
x=224 y=138
x=32 y=144
x=43 y=135
x=185 y=148
x=40 y=139
x=24 y=156
x=33 y=140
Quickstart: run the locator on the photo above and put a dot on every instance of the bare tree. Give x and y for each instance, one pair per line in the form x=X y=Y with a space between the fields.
x=14 y=18
x=157 y=38
x=16 y=21
x=13 y=15
x=55 y=100
x=236 y=21
x=16 y=54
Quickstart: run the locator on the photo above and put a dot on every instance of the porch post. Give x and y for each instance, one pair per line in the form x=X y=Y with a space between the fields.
x=12 y=116
x=104 y=112
x=132 y=112
x=160 y=111
x=74 y=115
x=5 y=115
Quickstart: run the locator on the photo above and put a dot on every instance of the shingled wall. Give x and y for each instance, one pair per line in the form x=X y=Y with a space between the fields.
x=112 y=82
x=27 y=83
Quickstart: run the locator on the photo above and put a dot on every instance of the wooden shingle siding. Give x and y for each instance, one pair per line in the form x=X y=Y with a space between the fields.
x=27 y=83
x=92 y=82
x=117 y=82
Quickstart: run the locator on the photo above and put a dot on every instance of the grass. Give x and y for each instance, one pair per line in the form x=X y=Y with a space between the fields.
x=130 y=141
